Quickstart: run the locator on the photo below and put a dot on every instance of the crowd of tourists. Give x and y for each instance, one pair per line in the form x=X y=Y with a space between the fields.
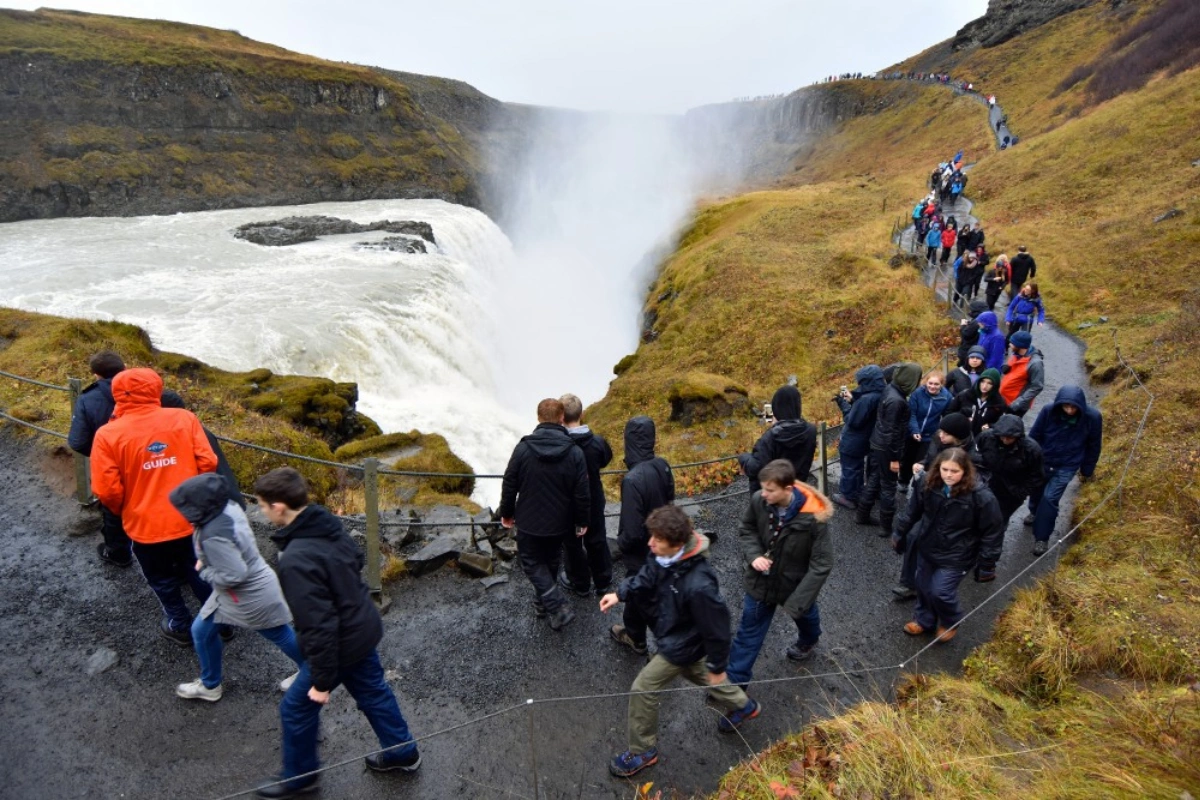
x=946 y=458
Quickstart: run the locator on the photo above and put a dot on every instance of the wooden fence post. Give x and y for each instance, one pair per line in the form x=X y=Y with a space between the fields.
x=823 y=455
x=371 y=498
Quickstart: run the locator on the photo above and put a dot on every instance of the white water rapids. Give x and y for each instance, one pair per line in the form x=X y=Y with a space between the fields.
x=414 y=331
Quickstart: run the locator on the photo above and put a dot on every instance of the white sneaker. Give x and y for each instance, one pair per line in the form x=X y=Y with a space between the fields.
x=287 y=682
x=196 y=690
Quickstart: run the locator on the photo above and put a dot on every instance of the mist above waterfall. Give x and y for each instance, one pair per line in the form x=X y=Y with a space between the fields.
x=592 y=202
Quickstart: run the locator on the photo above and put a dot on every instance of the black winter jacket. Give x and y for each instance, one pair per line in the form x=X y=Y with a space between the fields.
x=967 y=403
x=791 y=437
x=1016 y=471
x=320 y=571
x=860 y=411
x=648 y=485
x=690 y=618
x=545 y=485
x=597 y=455
x=955 y=532
x=1022 y=267
x=93 y=408
x=801 y=555
x=891 y=424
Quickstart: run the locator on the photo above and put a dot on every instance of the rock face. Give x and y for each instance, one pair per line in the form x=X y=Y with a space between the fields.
x=294 y=230
x=1008 y=18
x=106 y=117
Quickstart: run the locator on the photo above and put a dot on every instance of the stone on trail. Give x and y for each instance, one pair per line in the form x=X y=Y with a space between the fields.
x=475 y=564
x=493 y=580
x=436 y=553
x=100 y=660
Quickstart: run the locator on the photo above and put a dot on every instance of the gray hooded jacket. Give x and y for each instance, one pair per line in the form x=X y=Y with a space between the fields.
x=245 y=589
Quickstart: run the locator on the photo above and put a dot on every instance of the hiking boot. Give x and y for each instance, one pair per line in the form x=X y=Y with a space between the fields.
x=903 y=592
x=561 y=618
x=863 y=517
x=913 y=628
x=621 y=636
x=734 y=720
x=800 y=652
x=181 y=638
x=946 y=634
x=539 y=610
x=1039 y=548
x=390 y=762
x=282 y=789
x=110 y=556
x=1028 y=520
x=841 y=500
x=603 y=590
x=196 y=690
x=287 y=682
x=885 y=525
x=628 y=763
x=567 y=586
x=226 y=632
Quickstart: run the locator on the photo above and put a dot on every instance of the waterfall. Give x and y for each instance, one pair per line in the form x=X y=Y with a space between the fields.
x=417 y=332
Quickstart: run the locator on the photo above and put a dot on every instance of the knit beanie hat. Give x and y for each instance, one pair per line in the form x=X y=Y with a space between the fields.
x=956 y=425
x=1021 y=340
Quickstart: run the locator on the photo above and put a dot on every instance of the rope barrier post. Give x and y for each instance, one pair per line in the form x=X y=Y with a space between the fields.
x=83 y=489
x=371 y=499
x=823 y=454
x=945 y=363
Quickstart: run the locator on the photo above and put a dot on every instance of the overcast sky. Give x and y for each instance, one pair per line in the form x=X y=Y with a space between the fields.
x=652 y=55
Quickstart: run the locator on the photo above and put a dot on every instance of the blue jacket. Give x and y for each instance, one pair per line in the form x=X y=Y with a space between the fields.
x=934 y=237
x=927 y=410
x=93 y=408
x=991 y=340
x=1069 y=442
x=1023 y=309
x=858 y=414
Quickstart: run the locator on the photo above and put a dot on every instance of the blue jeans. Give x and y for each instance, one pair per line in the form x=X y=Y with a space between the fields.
x=752 y=632
x=169 y=566
x=300 y=717
x=1043 y=503
x=852 y=476
x=209 y=647
x=937 y=594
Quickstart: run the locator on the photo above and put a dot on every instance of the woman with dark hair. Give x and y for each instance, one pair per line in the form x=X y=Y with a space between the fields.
x=981 y=403
x=1025 y=309
x=961 y=525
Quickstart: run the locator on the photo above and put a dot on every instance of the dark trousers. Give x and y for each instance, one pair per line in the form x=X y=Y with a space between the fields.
x=168 y=567
x=851 y=482
x=914 y=451
x=945 y=254
x=880 y=485
x=937 y=594
x=114 y=533
x=300 y=716
x=541 y=557
x=588 y=562
x=635 y=619
x=908 y=567
x=633 y=561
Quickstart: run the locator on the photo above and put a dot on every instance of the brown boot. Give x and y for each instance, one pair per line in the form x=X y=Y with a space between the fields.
x=946 y=634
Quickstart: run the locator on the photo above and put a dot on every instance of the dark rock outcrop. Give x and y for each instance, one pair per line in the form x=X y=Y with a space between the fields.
x=394 y=244
x=295 y=230
x=1008 y=18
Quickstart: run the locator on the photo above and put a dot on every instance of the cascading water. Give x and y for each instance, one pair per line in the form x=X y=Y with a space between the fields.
x=414 y=331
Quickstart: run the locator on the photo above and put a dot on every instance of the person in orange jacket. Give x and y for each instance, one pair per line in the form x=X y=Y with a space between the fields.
x=137 y=459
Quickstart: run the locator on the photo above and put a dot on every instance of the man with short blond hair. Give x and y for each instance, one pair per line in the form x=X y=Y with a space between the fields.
x=545 y=495
x=588 y=561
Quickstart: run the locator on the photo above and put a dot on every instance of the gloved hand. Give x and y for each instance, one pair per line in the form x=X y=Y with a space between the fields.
x=985 y=571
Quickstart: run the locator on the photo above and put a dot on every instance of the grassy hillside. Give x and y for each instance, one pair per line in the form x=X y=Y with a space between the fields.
x=111 y=115
x=1088 y=688
x=303 y=415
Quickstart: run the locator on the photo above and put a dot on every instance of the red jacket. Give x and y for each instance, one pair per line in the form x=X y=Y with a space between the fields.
x=144 y=453
x=948 y=237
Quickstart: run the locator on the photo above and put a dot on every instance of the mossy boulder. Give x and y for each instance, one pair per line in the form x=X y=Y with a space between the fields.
x=702 y=396
x=415 y=452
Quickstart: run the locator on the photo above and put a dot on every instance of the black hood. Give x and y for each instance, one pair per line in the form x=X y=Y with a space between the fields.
x=639 y=441
x=1009 y=425
x=313 y=522
x=785 y=405
x=200 y=498
x=549 y=442
x=977 y=307
x=581 y=436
